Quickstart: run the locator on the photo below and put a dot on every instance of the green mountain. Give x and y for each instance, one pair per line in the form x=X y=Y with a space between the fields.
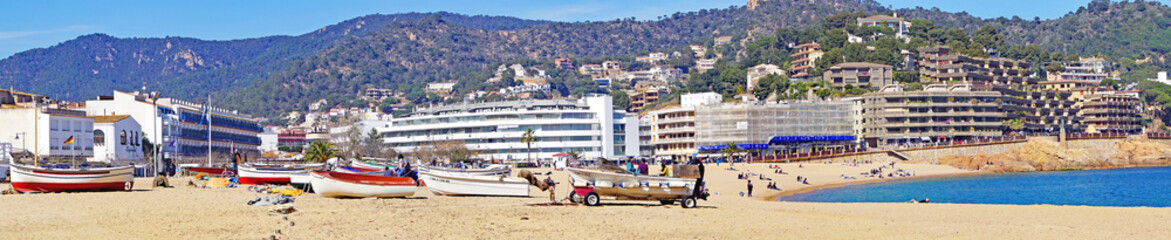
x=188 y=67
x=269 y=75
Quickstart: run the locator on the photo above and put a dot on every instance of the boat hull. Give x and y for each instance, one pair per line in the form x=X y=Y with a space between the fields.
x=444 y=183
x=28 y=179
x=256 y=176
x=495 y=170
x=625 y=186
x=344 y=185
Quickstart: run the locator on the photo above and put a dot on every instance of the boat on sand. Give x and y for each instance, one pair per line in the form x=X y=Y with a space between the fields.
x=60 y=178
x=447 y=181
x=255 y=174
x=349 y=185
x=590 y=186
x=43 y=179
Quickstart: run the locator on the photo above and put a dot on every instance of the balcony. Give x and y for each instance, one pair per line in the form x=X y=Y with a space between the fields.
x=675 y=130
x=943 y=114
x=662 y=121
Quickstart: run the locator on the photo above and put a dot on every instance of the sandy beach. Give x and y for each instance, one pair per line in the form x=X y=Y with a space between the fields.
x=185 y=212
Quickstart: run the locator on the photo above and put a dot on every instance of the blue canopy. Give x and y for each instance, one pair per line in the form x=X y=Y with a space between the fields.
x=795 y=139
x=747 y=146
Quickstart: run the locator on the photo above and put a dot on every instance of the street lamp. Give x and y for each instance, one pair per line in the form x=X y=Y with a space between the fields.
x=22 y=146
x=154 y=99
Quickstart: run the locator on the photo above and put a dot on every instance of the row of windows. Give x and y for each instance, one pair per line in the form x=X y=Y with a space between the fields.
x=511 y=140
x=221 y=121
x=78 y=144
x=220 y=136
x=495 y=117
x=132 y=138
x=519 y=128
x=66 y=125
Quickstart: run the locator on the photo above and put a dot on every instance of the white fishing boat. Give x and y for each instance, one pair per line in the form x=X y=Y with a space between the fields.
x=370 y=166
x=26 y=178
x=347 y=185
x=254 y=174
x=459 y=183
x=490 y=170
x=590 y=186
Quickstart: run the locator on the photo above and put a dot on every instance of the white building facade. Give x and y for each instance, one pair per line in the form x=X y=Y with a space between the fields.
x=493 y=130
x=46 y=135
x=114 y=140
x=181 y=127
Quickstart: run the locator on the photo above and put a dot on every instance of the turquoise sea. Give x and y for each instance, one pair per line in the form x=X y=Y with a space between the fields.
x=1127 y=187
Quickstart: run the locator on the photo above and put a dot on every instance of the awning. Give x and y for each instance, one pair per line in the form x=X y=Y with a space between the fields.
x=795 y=139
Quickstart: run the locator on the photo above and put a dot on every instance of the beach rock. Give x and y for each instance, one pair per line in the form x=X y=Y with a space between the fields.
x=524 y=218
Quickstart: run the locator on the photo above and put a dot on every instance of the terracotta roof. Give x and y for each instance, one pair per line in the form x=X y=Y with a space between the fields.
x=109 y=119
x=807 y=45
x=879 y=18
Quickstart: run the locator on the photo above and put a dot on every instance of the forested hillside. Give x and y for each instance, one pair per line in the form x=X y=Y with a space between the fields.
x=185 y=67
x=404 y=51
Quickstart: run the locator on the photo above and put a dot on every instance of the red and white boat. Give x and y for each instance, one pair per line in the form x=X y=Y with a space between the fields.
x=271 y=174
x=42 y=179
x=348 y=185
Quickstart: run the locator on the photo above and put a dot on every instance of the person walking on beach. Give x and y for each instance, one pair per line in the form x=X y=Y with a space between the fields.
x=749 y=188
x=552 y=188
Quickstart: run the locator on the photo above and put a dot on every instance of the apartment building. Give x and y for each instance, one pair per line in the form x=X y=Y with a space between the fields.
x=1086 y=69
x=805 y=55
x=900 y=25
x=673 y=129
x=774 y=128
x=940 y=64
x=859 y=74
x=940 y=112
x=642 y=97
x=1112 y=113
x=493 y=130
x=760 y=71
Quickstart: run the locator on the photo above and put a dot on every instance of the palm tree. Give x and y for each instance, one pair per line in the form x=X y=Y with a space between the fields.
x=320 y=152
x=528 y=139
x=730 y=150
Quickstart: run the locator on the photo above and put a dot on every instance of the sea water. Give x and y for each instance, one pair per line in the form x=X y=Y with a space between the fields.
x=1149 y=187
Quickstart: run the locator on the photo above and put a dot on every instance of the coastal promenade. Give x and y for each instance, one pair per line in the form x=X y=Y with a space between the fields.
x=187 y=212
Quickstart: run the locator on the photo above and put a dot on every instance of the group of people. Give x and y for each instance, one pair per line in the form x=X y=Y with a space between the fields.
x=881 y=172
x=777 y=169
x=640 y=167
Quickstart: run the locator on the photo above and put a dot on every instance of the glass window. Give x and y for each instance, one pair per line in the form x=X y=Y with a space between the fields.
x=122 y=137
x=99 y=137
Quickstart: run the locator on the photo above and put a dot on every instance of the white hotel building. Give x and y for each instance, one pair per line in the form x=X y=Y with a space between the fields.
x=179 y=121
x=493 y=130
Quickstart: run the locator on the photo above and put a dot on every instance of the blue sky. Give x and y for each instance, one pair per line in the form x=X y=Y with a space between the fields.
x=36 y=24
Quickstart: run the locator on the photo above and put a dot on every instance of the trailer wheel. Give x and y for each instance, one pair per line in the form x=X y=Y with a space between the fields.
x=689 y=202
x=573 y=197
x=666 y=202
x=592 y=199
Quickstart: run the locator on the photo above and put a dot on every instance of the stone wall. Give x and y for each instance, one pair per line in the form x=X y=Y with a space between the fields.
x=1101 y=149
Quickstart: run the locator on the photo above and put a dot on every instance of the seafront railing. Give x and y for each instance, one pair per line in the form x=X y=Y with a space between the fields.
x=820 y=155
